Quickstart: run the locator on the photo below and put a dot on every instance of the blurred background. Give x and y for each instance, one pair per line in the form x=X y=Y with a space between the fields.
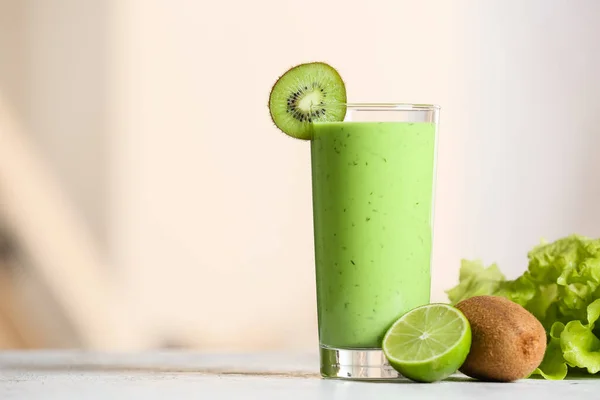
x=146 y=200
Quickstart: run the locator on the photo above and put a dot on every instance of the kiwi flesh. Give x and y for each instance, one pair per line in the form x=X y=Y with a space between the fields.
x=508 y=342
x=307 y=93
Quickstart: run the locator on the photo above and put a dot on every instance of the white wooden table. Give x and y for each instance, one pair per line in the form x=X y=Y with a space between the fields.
x=183 y=375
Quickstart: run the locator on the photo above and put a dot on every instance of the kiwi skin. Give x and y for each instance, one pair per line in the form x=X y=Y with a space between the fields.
x=508 y=342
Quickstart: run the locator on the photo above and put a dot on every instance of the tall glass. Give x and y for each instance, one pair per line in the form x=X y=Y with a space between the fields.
x=373 y=179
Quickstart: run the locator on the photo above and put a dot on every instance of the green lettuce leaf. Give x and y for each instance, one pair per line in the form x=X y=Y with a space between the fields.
x=522 y=291
x=553 y=365
x=561 y=288
x=581 y=348
x=475 y=280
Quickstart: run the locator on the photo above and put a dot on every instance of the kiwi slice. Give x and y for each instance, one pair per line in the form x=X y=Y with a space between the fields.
x=307 y=93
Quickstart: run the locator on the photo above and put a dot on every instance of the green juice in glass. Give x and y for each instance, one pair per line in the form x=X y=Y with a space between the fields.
x=372 y=204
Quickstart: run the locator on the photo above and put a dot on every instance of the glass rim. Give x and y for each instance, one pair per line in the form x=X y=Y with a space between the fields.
x=388 y=106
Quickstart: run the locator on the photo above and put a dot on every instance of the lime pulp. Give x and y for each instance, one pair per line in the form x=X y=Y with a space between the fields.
x=429 y=343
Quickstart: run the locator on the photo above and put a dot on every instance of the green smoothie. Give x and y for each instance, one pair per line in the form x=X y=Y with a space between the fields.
x=372 y=205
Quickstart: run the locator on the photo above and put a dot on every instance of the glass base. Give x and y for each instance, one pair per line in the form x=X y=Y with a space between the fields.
x=356 y=364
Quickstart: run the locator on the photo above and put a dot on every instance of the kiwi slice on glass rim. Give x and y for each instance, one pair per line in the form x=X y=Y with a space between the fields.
x=307 y=93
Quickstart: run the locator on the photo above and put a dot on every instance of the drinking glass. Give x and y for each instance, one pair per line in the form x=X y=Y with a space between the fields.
x=373 y=184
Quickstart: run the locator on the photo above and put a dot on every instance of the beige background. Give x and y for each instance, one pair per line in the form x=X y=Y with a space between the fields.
x=153 y=116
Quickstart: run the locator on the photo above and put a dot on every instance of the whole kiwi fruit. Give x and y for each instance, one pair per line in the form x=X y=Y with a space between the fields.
x=508 y=342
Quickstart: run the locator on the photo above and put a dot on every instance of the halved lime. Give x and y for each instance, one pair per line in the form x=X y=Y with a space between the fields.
x=429 y=343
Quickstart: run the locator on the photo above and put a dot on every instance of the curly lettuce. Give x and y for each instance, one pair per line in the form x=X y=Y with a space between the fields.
x=561 y=288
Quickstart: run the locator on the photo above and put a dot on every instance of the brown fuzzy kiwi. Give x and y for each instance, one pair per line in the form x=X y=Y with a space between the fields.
x=508 y=342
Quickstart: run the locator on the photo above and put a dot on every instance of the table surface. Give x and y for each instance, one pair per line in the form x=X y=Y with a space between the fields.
x=185 y=375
